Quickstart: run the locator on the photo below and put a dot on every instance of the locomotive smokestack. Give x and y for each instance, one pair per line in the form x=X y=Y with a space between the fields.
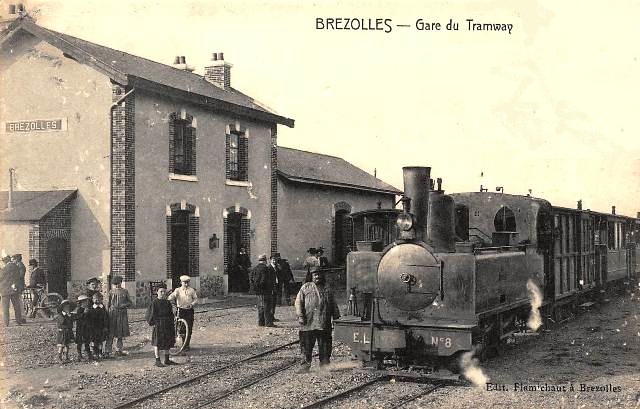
x=416 y=187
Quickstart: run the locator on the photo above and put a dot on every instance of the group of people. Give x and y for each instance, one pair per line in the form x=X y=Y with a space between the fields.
x=315 y=304
x=96 y=325
x=272 y=283
x=12 y=284
x=315 y=261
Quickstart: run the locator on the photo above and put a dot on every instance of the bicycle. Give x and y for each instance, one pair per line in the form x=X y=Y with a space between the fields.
x=45 y=305
x=182 y=333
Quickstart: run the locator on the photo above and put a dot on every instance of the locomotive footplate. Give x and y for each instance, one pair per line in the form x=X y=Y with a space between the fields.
x=440 y=341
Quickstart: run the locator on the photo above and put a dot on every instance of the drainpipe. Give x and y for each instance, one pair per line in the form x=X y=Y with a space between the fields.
x=10 y=198
x=114 y=105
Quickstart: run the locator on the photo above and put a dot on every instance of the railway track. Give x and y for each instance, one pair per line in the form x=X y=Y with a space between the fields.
x=210 y=310
x=330 y=401
x=156 y=393
x=216 y=398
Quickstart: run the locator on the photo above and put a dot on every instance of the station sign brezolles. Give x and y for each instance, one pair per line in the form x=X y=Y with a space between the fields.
x=36 y=125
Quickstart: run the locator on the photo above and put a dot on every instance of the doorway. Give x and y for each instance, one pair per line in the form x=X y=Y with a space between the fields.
x=238 y=277
x=57 y=266
x=342 y=230
x=179 y=246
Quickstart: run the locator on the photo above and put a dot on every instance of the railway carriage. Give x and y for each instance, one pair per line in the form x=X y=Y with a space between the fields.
x=462 y=269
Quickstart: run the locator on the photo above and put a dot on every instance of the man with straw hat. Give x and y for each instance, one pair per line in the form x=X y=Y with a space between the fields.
x=185 y=297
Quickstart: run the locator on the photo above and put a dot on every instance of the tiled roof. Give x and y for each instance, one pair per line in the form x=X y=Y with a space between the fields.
x=125 y=67
x=32 y=205
x=316 y=168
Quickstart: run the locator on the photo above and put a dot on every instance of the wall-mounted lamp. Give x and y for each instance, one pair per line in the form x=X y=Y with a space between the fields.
x=214 y=242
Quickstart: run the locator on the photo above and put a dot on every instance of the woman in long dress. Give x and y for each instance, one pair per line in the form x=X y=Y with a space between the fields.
x=160 y=316
x=118 y=304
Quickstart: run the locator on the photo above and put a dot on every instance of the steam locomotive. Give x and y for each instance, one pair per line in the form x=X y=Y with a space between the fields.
x=455 y=273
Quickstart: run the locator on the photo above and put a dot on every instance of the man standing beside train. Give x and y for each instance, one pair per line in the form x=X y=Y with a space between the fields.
x=315 y=307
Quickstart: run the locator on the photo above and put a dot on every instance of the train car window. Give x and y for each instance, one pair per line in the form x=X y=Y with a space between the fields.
x=462 y=222
x=505 y=220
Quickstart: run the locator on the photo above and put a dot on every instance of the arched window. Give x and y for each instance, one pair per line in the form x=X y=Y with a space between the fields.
x=505 y=220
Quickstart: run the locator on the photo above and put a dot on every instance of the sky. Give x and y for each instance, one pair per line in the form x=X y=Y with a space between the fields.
x=551 y=106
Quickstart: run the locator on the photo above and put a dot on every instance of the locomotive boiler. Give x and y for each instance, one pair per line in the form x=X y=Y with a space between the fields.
x=459 y=275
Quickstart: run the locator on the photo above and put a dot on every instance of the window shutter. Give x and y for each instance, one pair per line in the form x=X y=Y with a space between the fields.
x=172 y=142
x=188 y=149
x=192 y=133
x=243 y=158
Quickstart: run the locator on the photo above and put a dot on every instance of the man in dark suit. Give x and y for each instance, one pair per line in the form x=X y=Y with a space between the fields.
x=263 y=281
x=9 y=282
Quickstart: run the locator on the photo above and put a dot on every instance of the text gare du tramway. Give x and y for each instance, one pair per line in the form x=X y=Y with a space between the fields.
x=385 y=25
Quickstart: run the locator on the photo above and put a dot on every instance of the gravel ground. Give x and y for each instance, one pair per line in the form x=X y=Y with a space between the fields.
x=595 y=349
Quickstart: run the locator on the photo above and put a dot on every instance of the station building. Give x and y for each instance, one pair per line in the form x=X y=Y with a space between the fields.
x=316 y=195
x=118 y=165
x=125 y=166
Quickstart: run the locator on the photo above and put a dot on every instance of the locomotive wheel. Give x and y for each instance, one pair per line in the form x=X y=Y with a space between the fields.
x=453 y=363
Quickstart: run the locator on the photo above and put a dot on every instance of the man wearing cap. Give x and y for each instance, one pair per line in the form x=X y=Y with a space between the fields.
x=37 y=279
x=315 y=307
x=185 y=297
x=263 y=281
x=9 y=280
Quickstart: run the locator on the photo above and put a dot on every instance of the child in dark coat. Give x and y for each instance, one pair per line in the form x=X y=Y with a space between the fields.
x=64 y=322
x=160 y=316
x=82 y=327
x=97 y=324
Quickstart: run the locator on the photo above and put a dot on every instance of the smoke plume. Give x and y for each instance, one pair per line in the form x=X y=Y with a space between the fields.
x=471 y=370
x=535 y=297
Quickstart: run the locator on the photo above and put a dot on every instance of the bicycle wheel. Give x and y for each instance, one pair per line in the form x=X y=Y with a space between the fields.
x=182 y=333
x=27 y=307
x=48 y=305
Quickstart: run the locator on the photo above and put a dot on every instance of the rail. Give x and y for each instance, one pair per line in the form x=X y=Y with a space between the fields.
x=201 y=376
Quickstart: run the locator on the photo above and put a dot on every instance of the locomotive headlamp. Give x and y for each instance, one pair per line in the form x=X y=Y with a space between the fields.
x=404 y=221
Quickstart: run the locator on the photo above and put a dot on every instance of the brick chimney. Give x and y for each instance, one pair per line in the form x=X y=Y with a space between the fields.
x=180 y=62
x=613 y=210
x=219 y=72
